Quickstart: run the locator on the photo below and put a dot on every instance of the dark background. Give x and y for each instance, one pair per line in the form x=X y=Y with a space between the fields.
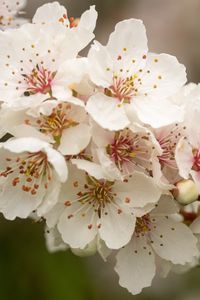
x=27 y=270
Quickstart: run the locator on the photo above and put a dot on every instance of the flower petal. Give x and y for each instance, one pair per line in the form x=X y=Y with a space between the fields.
x=49 y=13
x=105 y=111
x=75 y=226
x=128 y=38
x=173 y=241
x=117 y=226
x=184 y=158
x=100 y=64
x=75 y=139
x=162 y=76
x=155 y=112
x=135 y=265
x=138 y=191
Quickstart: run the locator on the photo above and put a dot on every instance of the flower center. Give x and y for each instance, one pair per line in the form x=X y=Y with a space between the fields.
x=196 y=160
x=123 y=149
x=39 y=81
x=33 y=170
x=98 y=193
x=55 y=123
x=143 y=225
x=122 y=89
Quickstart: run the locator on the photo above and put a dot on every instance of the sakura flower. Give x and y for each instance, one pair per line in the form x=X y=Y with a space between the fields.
x=9 y=11
x=156 y=234
x=35 y=69
x=64 y=126
x=129 y=79
x=30 y=177
x=125 y=151
x=54 y=13
x=92 y=206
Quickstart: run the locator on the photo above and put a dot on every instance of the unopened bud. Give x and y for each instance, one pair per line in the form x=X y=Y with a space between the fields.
x=89 y=250
x=186 y=192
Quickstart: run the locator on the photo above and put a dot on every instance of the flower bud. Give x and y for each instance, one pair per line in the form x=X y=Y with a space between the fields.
x=186 y=192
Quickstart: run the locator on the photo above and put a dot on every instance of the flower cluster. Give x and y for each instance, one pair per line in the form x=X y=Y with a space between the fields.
x=105 y=148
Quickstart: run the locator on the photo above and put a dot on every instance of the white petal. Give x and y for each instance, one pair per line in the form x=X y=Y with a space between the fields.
x=135 y=266
x=24 y=144
x=129 y=35
x=83 y=33
x=100 y=64
x=75 y=230
x=71 y=72
x=53 y=215
x=50 y=199
x=106 y=112
x=24 y=130
x=75 y=139
x=108 y=166
x=14 y=202
x=100 y=136
x=184 y=158
x=88 y=19
x=165 y=206
x=138 y=191
x=49 y=13
x=173 y=241
x=91 y=168
x=116 y=228
x=58 y=162
x=156 y=112
x=165 y=78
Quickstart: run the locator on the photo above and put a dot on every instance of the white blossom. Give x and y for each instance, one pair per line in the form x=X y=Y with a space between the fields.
x=156 y=234
x=130 y=78
x=35 y=69
x=31 y=173
x=95 y=205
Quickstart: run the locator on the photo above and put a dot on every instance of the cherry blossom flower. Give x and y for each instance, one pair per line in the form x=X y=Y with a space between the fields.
x=95 y=205
x=156 y=234
x=9 y=11
x=125 y=151
x=130 y=78
x=30 y=177
x=64 y=125
x=35 y=69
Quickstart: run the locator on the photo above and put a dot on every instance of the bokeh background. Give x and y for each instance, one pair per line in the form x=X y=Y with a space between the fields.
x=27 y=270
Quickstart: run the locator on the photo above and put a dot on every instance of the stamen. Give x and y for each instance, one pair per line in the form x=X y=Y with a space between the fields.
x=122 y=88
x=39 y=81
x=32 y=170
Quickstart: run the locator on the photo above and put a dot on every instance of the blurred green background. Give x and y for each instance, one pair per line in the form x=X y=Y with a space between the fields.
x=27 y=270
